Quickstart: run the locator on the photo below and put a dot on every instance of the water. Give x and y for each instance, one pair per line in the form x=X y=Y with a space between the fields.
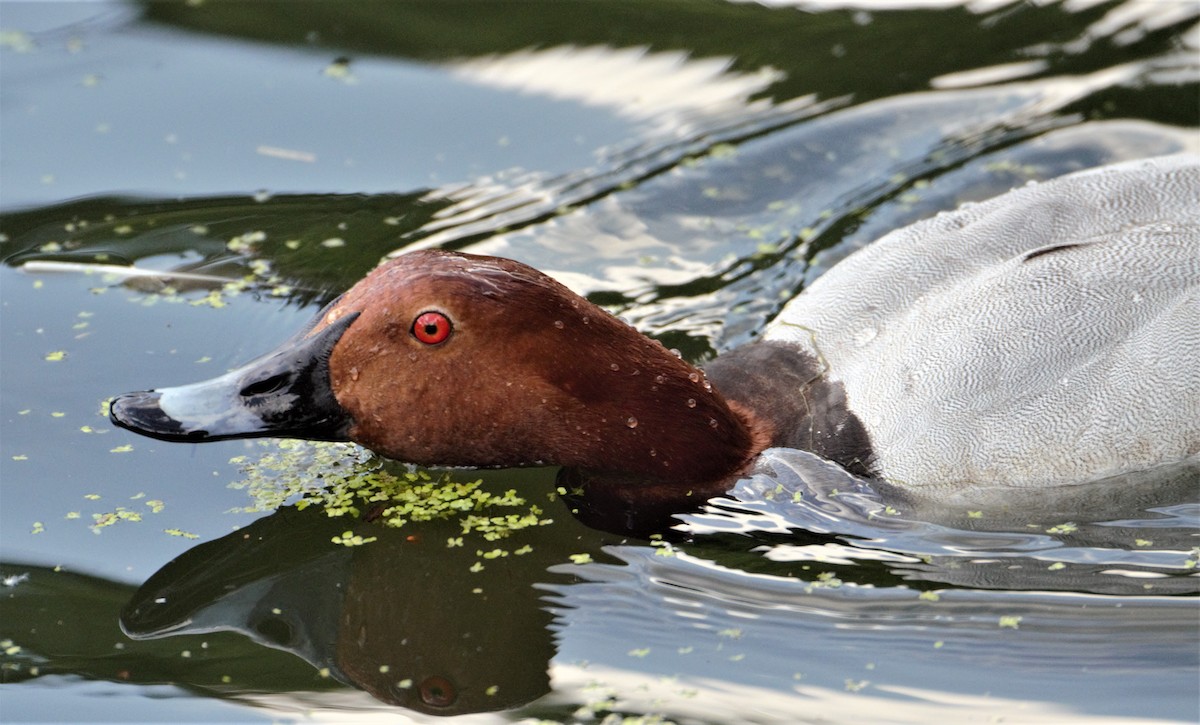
x=690 y=167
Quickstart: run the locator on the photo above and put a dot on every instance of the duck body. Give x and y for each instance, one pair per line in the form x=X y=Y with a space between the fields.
x=1045 y=337
x=1049 y=336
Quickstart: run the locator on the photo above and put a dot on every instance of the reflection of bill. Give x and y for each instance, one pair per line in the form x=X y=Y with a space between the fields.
x=435 y=628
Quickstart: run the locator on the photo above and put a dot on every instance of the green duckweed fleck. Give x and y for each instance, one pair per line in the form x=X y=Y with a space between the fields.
x=345 y=480
x=1068 y=527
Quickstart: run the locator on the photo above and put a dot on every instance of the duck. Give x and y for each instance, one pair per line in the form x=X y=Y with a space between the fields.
x=1049 y=336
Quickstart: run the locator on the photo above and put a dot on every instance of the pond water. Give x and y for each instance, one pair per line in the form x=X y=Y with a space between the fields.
x=183 y=184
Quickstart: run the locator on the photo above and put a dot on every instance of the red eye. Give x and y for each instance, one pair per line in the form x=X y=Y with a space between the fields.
x=431 y=327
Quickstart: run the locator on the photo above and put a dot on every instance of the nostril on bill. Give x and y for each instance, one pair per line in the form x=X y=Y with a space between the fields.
x=268 y=385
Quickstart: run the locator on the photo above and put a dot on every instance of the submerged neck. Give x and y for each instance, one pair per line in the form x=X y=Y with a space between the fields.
x=654 y=422
x=650 y=437
x=689 y=444
x=786 y=389
x=760 y=395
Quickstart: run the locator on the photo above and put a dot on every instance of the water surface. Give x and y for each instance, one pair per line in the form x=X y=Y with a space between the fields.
x=688 y=166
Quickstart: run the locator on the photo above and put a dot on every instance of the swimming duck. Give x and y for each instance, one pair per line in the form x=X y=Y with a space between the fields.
x=1046 y=337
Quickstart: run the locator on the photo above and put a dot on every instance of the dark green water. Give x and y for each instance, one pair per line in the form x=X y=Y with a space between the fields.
x=689 y=165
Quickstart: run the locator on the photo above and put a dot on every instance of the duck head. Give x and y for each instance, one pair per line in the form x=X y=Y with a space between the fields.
x=448 y=359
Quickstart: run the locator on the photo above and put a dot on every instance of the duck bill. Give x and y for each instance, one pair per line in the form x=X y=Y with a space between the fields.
x=286 y=393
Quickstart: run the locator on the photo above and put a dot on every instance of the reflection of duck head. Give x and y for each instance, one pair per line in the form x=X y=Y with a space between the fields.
x=443 y=639
x=365 y=612
x=1037 y=339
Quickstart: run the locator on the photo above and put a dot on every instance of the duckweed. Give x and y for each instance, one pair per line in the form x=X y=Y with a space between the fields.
x=18 y=41
x=824 y=580
x=1068 y=527
x=349 y=538
x=663 y=548
x=346 y=480
x=108 y=518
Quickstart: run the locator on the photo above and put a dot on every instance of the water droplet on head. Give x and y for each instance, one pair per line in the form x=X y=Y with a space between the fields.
x=558 y=324
x=676 y=353
x=653 y=453
x=632 y=422
x=691 y=402
x=694 y=377
x=614 y=367
x=659 y=379
x=712 y=422
x=354 y=373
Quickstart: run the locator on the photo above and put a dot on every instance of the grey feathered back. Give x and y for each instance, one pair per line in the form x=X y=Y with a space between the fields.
x=1045 y=337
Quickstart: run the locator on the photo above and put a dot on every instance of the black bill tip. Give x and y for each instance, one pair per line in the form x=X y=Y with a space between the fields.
x=141 y=412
